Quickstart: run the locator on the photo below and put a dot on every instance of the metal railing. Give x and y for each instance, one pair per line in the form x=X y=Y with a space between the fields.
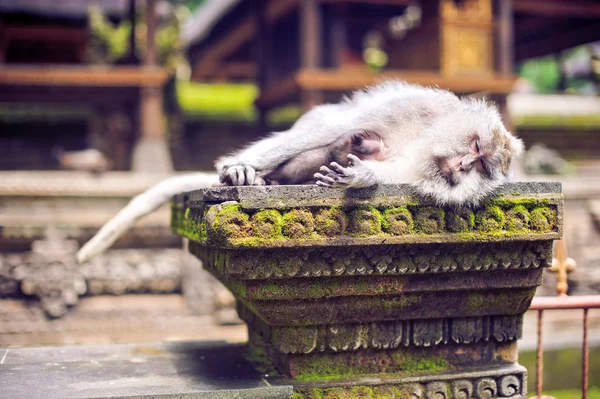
x=562 y=265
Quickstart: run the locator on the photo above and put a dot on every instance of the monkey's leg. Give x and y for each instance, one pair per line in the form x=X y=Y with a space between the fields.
x=319 y=127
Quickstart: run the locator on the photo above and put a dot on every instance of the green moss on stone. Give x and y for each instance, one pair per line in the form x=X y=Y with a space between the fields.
x=397 y=221
x=460 y=221
x=404 y=391
x=395 y=363
x=426 y=365
x=231 y=222
x=365 y=221
x=186 y=222
x=273 y=288
x=267 y=224
x=475 y=302
x=517 y=218
x=239 y=287
x=257 y=355
x=490 y=219
x=543 y=219
x=298 y=223
x=527 y=202
x=331 y=222
x=429 y=220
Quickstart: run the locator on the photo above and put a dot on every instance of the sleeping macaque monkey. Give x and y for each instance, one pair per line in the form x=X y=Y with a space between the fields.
x=455 y=151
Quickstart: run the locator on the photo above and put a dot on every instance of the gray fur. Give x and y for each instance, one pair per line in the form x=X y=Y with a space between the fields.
x=423 y=128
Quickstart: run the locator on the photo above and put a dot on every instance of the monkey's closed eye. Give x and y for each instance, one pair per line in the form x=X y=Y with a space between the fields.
x=477 y=147
x=485 y=168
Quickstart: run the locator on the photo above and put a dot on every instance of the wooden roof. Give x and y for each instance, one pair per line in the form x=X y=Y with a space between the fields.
x=221 y=28
x=62 y=8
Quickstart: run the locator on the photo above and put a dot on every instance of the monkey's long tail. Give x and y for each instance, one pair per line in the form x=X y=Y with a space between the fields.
x=140 y=206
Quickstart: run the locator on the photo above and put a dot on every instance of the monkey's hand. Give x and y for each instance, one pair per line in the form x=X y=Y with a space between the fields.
x=357 y=174
x=240 y=175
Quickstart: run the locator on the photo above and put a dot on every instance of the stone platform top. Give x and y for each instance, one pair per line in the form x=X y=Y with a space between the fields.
x=262 y=196
x=177 y=370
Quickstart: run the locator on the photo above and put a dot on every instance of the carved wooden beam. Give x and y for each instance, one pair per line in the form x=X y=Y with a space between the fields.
x=117 y=76
x=353 y=79
x=228 y=70
x=46 y=33
x=558 y=8
x=371 y=2
x=556 y=40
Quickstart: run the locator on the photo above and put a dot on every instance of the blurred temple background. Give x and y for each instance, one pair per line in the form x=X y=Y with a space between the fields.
x=99 y=100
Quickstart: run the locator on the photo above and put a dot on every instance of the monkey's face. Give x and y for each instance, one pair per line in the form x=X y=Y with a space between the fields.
x=470 y=154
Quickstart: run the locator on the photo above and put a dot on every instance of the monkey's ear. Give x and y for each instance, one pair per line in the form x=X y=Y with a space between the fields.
x=480 y=95
x=515 y=145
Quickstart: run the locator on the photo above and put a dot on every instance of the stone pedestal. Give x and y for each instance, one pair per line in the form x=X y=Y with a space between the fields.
x=376 y=290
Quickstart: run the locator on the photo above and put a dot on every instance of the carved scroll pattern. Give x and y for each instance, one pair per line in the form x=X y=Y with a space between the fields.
x=460 y=388
x=387 y=335
x=416 y=259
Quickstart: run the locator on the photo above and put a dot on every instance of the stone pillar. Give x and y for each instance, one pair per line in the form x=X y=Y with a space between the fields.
x=377 y=292
x=151 y=152
x=311 y=47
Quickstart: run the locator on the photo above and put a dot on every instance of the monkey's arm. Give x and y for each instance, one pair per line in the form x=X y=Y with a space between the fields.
x=319 y=127
x=140 y=206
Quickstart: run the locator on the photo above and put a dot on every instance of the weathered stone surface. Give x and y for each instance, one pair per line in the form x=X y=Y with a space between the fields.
x=378 y=282
x=137 y=371
x=384 y=334
x=370 y=308
x=262 y=195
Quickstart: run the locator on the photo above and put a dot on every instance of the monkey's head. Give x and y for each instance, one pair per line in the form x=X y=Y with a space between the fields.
x=470 y=154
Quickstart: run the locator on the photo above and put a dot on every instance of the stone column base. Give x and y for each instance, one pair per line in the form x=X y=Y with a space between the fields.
x=487 y=383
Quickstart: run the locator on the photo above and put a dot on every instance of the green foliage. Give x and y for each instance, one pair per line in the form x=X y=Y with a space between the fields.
x=543 y=73
x=108 y=42
x=217 y=101
x=228 y=103
x=562 y=372
x=571 y=122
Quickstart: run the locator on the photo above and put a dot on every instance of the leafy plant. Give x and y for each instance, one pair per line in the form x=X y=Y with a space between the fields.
x=109 y=42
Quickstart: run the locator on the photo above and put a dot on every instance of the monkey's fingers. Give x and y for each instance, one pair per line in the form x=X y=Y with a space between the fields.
x=240 y=175
x=325 y=180
x=330 y=178
x=339 y=168
x=250 y=175
x=354 y=160
x=233 y=175
x=322 y=184
x=328 y=172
